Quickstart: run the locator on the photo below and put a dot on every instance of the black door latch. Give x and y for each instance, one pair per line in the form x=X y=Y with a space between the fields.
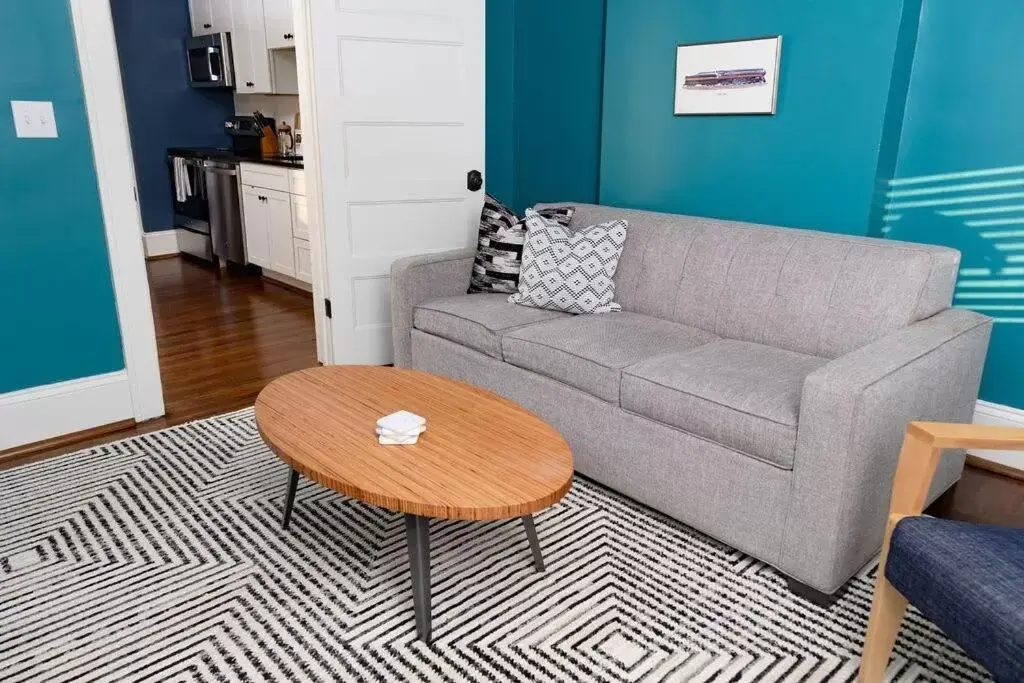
x=474 y=181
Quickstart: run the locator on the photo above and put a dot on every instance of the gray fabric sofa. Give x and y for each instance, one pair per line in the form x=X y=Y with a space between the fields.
x=755 y=386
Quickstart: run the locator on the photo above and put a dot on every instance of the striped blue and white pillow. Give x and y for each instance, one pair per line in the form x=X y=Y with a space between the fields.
x=499 y=253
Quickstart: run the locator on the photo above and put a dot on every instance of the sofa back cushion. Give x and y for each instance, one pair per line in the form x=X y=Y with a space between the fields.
x=802 y=290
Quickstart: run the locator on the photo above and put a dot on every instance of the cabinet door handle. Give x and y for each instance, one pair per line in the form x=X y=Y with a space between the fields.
x=289 y=36
x=250 y=84
x=207 y=25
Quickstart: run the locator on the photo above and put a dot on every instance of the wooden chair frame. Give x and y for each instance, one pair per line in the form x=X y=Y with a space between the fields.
x=919 y=458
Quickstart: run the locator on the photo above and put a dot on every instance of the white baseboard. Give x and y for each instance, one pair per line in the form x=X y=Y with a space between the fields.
x=986 y=413
x=161 y=243
x=53 y=410
x=287 y=279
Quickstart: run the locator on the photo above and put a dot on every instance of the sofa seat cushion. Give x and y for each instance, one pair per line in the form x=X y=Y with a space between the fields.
x=476 y=320
x=589 y=351
x=742 y=395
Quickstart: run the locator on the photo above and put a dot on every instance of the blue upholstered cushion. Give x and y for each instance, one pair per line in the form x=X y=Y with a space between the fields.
x=967 y=579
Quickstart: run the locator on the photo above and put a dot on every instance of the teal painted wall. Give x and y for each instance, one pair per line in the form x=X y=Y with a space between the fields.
x=500 y=123
x=57 y=312
x=815 y=164
x=558 y=98
x=544 y=98
x=964 y=113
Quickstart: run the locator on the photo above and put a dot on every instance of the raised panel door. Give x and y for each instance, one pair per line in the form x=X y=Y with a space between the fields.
x=201 y=16
x=303 y=262
x=279 y=231
x=399 y=110
x=220 y=16
x=280 y=25
x=254 y=220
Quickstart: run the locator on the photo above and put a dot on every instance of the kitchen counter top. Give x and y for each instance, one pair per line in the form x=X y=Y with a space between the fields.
x=275 y=161
x=223 y=154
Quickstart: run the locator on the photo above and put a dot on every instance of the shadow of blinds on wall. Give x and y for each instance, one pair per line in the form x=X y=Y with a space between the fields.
x=981 y=213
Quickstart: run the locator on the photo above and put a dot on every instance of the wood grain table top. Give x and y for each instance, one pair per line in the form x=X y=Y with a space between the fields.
x=482 y=456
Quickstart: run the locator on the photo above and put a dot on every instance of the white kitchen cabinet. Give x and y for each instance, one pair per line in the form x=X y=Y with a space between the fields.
x=280 y=25
x=210 y=16
x=303 y=261
x=300 y=218
x=201 y=14
x=254 y=220
x=276 y=220
x=279 y=229
x=249 y=47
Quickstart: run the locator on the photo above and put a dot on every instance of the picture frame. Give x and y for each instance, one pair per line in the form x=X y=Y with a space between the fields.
x=731 y=77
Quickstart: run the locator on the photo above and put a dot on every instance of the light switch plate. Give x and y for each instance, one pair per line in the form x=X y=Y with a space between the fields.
x=34 y=119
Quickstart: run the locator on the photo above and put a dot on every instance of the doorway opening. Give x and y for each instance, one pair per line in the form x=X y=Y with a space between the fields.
x=212 y=100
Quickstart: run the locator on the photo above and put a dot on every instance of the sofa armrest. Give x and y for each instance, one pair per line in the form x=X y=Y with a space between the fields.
x=415 y=279
x=853 y=414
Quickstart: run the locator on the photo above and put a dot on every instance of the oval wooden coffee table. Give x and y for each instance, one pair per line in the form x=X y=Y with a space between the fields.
x=482 y=457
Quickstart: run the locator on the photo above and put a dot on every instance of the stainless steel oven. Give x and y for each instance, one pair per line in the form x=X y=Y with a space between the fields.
x=209 y=61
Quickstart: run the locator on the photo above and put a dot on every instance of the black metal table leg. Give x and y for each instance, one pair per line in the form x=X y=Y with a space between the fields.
x=289 y=501
x=531 y=533
x=417 y=534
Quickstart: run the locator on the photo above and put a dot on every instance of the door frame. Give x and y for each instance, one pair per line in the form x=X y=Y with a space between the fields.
x=314 y=180
x=93 y=27
x=96 y=46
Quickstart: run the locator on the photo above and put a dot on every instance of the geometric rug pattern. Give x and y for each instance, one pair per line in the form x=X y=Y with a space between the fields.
x=162 y=558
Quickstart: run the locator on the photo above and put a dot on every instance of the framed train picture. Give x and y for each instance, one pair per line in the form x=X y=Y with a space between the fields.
x=732 y=77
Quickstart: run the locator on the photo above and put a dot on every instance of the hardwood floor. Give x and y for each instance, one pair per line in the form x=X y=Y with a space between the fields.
x=984 y=497
x=222 y=340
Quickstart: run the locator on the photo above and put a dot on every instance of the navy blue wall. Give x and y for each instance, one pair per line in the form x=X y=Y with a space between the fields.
x=960 y=175
x=815 y=164
x=163 y=110
x=58 y=320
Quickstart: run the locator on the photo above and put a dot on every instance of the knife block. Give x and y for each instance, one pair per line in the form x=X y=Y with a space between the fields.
x=268 y=143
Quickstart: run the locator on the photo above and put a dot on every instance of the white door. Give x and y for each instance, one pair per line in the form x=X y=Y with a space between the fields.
x=279 y=229
x=254 y=219
x=397 y=100
x=201 y=13
x=279 y=22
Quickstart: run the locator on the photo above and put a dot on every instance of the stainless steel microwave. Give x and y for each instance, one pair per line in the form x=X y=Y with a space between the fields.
x=209 y=61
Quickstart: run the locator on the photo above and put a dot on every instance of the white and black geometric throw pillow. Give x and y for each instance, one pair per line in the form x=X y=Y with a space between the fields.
x=499 y=250
x=570 y=271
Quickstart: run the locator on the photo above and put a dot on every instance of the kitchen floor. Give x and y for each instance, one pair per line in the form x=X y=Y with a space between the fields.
x=221 y=340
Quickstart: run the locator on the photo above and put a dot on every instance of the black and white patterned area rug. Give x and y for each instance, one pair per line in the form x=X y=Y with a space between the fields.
x=162 y=558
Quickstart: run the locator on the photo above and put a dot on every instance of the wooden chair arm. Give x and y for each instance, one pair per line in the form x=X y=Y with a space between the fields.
x=946 y=435
x=922 y=448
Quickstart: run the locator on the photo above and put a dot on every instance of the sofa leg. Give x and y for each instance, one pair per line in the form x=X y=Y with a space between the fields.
x=812 y=595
